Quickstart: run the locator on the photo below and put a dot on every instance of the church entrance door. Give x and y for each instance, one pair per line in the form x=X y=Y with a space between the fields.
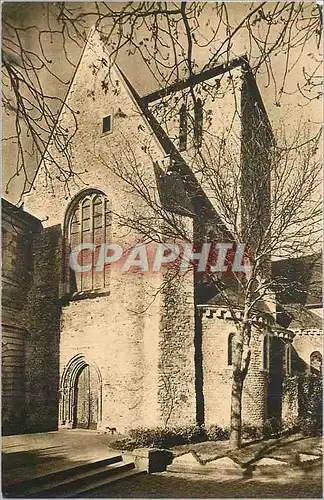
x=86 y=398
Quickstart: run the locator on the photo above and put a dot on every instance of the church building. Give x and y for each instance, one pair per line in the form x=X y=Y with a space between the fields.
x=107 y=348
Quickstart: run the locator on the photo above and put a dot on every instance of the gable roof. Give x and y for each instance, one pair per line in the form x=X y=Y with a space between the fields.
x=299 y=317
x=192 y=199
x=198 y=198
x=195 y=79
x=17 y=216
x=302 y=280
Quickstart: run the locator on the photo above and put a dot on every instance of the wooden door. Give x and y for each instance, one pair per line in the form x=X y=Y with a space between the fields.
x=94 y=398
x=82 y=394
x=87 y=398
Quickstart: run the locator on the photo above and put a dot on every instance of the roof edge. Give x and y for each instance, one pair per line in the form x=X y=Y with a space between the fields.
x=196 y=78
x=11 y=210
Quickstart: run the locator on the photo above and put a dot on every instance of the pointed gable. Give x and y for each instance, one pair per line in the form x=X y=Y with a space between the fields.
x=110 y=138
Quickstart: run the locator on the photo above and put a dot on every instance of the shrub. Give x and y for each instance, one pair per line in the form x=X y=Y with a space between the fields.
x=124 y=444
x=216 y=433
x=160 y=437
x=290 y=425
x=311 y=405
x=251 y=432
x=271 y=428
x=166 y=437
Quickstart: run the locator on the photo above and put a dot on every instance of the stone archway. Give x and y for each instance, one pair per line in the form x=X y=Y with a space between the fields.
x=80 y=395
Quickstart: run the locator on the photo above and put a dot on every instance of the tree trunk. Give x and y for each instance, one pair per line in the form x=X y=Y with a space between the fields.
x=241 y=361
x=236 y=412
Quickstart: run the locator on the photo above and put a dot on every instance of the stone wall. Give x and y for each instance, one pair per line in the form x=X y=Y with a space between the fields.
x=306 y=342
x=177 y=392
x=42 y=318
x=17 y=231
x=217 y=374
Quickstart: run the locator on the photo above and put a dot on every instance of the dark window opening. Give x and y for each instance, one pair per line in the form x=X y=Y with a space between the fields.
x=288 y=359
x=106 y=124
x=266 y=352
x=183 y=128
x=198 y=127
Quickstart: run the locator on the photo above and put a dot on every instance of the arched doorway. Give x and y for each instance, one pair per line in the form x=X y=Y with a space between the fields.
x=80 y=402
x=86 y=393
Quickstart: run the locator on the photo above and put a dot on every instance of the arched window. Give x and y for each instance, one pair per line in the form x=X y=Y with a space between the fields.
x=87 y=227
x=198 y=127
x=266 y=352
x=183 y=128
x=288 y=359
x=230 y=345
x=316 y=363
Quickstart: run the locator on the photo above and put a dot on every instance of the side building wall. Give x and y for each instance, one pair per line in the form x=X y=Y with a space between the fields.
x=217 y=373
x=18 y=230
x=305 y=343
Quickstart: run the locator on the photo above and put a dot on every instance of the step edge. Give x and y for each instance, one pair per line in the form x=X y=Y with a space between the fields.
x=94 y=473
x=127 y=474
x=13 y=487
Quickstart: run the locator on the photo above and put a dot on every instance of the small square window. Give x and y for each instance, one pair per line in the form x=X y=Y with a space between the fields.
x=106 y=124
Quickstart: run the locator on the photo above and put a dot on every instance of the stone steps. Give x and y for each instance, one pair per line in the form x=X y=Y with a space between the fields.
x=75 y=481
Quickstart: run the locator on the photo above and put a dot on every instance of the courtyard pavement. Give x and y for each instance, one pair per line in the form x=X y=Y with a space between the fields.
x=168 y=485
x=29 y=455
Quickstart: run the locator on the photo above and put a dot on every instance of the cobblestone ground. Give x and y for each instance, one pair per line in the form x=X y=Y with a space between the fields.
x=292 y=484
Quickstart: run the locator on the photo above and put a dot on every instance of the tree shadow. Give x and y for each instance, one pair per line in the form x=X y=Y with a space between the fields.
x=167 y=485
x=23 y=469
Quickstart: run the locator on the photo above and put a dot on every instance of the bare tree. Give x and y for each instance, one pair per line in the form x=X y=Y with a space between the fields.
x=267 y=199
x=169 y=40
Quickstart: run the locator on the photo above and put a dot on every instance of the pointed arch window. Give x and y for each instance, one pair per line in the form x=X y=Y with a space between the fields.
x=266 y=352
x=87 y=228
x=198 y=125
x=230 y=346
x=183 y=132
x=316 y=363
x=288 y=359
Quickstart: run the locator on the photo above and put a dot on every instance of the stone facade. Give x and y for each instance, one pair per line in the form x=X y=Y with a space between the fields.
x=139 y=351
x=128 y=348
